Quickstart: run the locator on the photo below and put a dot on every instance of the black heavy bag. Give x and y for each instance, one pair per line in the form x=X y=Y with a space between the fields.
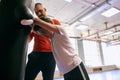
x=13 y=39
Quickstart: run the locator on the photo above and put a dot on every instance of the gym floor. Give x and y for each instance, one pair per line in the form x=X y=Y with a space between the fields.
x=107 y=75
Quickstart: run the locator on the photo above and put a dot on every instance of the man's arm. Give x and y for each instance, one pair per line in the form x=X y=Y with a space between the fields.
x=31 y=36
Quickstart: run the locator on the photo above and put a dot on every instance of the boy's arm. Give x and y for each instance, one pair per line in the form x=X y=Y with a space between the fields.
x=46 y=25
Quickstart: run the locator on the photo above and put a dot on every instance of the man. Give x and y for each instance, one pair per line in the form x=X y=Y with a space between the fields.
x=41 y=58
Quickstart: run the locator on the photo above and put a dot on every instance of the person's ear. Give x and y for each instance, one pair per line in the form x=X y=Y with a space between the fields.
x=45 y=9
x=34 y=9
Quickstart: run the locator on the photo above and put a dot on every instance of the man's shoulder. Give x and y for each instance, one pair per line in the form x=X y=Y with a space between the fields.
x=56 y=21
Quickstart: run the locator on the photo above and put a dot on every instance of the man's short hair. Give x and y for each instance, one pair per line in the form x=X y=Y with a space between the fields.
x=38 y=4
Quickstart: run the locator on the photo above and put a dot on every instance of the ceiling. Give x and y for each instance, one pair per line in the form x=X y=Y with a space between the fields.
x=73 y=12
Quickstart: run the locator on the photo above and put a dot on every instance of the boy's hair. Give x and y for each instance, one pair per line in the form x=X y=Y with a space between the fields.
x=36 y=27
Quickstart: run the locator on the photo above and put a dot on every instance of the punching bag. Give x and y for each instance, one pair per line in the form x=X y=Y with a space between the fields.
x=13 y=39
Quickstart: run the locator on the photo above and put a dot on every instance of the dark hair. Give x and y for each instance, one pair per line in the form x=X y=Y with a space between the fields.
x=38 y=4
x=36 y=27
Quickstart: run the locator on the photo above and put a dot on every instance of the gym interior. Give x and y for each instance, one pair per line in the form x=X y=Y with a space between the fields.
x=94 y=36
x=93 y=27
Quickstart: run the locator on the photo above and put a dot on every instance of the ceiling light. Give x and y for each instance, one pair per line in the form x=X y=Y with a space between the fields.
x=68 y=0
x=96 y=10
x=107 y=32
x=116 y=33
x=81 y=26
x=87 y=16
x=110 y=12
x=104 y=37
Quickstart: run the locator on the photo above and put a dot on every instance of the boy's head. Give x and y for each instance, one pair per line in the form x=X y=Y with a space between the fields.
x=36 y=27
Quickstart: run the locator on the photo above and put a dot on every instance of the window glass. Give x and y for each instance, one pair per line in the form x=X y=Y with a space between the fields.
x=91 y=52
x=111 y=54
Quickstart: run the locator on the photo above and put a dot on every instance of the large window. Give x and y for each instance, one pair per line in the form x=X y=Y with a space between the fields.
x=91 y=53
x=111 y=54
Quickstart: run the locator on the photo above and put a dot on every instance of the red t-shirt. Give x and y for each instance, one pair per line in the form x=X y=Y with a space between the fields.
x=41 y=43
